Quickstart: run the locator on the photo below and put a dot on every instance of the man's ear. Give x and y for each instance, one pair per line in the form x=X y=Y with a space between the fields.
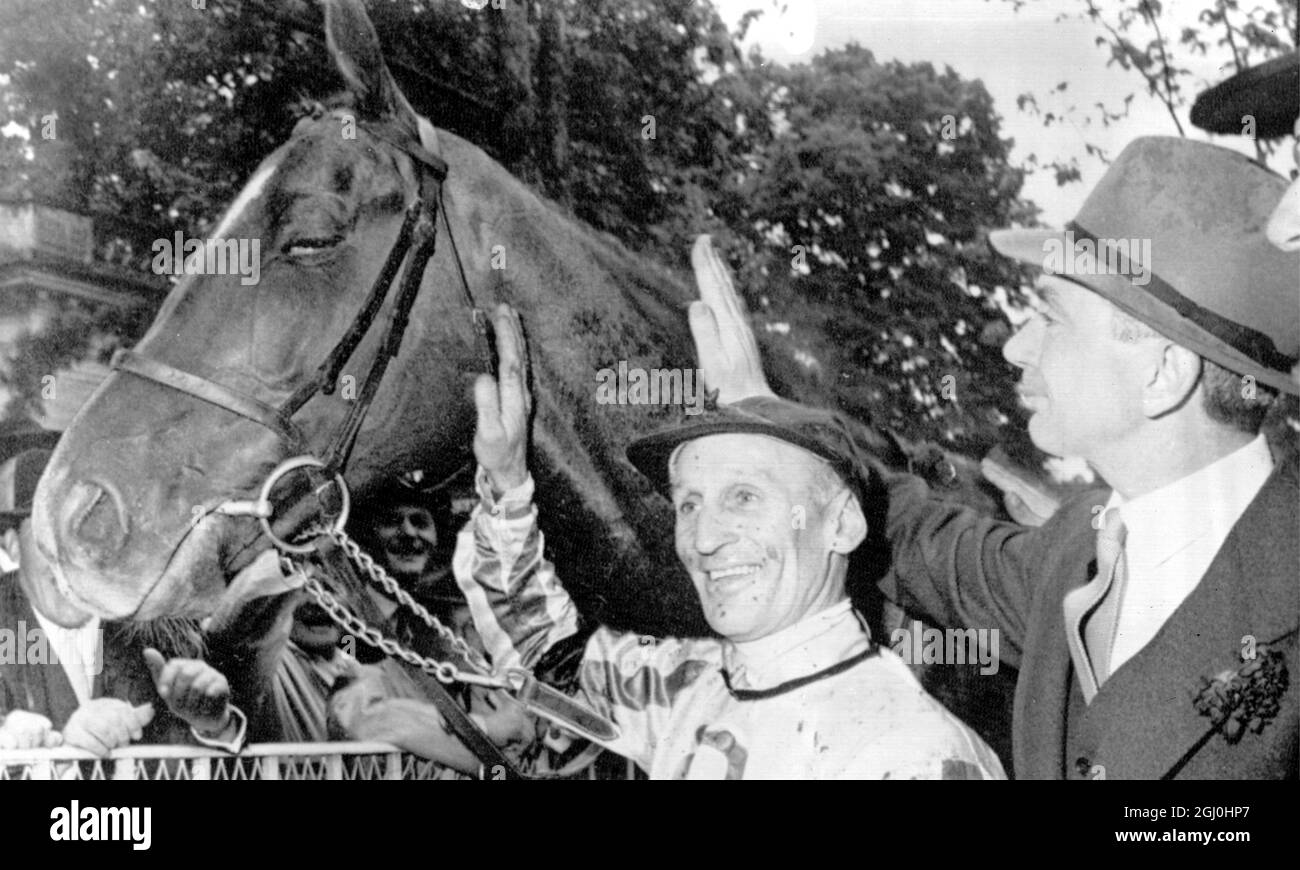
x=1174 y=377
x=850 y=528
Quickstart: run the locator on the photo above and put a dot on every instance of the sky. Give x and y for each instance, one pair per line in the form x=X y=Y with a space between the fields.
x=1011 y=52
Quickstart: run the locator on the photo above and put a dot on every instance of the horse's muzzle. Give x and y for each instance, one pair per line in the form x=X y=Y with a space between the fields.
x=94 y=520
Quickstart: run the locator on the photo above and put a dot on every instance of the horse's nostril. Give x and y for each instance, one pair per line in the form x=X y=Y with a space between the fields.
x=94 y=518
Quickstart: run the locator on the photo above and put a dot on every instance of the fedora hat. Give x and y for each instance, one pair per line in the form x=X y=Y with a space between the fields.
x=1174 y=234
x=1268 y=92
x=18 y=478
x=19 y=435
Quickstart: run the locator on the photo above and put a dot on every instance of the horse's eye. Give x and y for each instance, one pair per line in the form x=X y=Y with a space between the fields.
x=306 y=247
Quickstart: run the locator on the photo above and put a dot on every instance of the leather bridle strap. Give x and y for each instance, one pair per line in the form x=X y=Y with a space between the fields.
x=487 y=346
x=211 y=392
x=327 y=374
x=423 y=240
x=414 y=245
x=464 y=728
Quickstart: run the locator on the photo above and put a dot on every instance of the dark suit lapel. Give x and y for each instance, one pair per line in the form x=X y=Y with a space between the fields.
x=1146 y=709
x=43 y=688
x=1046 y=674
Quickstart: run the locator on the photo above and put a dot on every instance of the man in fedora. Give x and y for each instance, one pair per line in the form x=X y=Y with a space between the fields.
x=1155 y=623
x=1262 y=101
x=767 y=497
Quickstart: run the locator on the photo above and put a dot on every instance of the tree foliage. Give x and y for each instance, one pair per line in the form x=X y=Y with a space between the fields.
x=870 y=205
x=641 y=117
x=1156 y=43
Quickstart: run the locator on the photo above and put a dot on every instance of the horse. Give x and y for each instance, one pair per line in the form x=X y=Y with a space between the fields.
x=134 y=512
x=129 y=510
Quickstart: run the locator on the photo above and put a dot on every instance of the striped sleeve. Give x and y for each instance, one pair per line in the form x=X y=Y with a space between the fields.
x=517 y=603
x=634 y=680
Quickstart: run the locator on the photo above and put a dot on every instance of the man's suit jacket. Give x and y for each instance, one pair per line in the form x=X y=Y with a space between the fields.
x=963 y=569
x=45 y=689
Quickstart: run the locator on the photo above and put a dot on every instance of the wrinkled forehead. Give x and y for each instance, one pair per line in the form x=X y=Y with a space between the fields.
x=738 y=456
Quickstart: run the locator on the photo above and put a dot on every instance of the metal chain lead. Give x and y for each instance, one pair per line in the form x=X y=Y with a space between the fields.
x=445 y=672
x=377 y=575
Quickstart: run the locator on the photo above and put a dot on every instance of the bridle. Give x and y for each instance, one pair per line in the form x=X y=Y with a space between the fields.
x=410 y=254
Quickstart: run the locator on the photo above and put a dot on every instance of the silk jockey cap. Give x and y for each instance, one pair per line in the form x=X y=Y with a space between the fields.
x=820 y=431
x=1186 y=223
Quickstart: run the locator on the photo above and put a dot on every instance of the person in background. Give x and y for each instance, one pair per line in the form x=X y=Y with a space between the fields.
x=408 y=531
x=314 y=666
x=402 y=529
x=331 y=686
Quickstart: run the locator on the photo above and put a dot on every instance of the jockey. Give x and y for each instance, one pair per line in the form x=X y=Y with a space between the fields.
x=767 y=503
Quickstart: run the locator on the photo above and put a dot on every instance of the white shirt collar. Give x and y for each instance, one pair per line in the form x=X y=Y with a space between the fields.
x=1205 y=504
x=1173 y=536
x=80 y=651
x=812 y=644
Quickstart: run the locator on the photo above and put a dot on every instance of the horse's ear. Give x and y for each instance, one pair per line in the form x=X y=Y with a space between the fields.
x=354 y=45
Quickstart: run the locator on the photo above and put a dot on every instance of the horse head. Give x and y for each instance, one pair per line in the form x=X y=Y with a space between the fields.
x=132 y=511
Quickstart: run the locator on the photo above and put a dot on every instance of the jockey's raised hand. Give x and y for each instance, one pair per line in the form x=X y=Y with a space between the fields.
x=724 y=343
x=501 y=437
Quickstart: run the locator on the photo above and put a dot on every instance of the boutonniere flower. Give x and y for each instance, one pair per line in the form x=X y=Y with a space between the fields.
x=1245 y=699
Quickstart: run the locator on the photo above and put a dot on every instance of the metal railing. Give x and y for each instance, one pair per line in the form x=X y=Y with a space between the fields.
x=264 y=761
x=269 y=761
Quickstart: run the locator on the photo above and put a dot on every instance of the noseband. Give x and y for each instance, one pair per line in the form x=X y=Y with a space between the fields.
x=410 y=253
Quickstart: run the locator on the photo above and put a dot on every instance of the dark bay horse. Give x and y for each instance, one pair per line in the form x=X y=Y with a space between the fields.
x=128 y=509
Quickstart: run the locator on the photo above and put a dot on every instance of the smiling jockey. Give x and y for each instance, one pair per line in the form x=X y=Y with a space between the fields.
x=767 y=510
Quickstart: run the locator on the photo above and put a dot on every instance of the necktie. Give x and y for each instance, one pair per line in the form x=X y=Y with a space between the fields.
x=1112 y=573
